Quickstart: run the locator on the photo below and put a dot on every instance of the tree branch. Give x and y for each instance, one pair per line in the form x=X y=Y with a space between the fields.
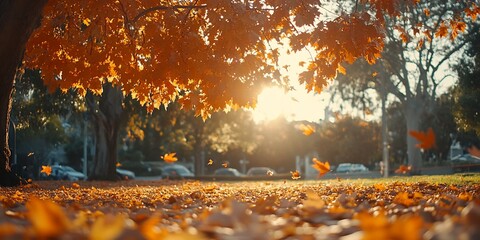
x=161 y=8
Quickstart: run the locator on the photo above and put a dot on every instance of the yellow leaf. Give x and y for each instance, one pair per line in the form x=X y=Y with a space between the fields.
x=47 y=218
x=210 y=162
x=107 y=227
x=307 y=129
x=47 y=170
x=86 y=22
x=150 y=230
x=170 y=157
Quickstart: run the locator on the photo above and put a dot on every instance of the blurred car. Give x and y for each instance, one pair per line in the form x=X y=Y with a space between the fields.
x=351 y=167
x=60 y=172
x=228 y=172
x=140 y=168
x=465 y=163
x=176 y=170
x=260 y=171
x=125 y=174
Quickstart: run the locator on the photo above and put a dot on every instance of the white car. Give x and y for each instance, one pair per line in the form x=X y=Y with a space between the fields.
x=60 y=172
x=351 y=167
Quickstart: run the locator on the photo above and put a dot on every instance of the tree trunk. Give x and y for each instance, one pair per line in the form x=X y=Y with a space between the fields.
x=18 y=19
x=106 y=117
x=413 y=114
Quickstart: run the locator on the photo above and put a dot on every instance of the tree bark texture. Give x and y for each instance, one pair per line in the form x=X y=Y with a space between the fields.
x=18 y=19
x=414 y=110
x=106 y=118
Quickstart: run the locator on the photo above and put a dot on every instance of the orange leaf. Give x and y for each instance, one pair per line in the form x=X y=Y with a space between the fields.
x=474 y=151
x=295 y=175
x=47 y=218
x=403 y=169
x=225 y=164
x=426 y=140
x=47 y=170
x=307 y=129
x=426 y=11
x=170 y=158
x=322 y=168
x=442 y=31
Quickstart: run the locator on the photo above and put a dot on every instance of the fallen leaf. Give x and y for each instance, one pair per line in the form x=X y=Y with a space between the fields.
x=403 y=169
x=295 y=175
x=107 y=227
x=47 y=218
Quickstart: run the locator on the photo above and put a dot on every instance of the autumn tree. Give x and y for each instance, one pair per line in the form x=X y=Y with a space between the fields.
x=206 y=54
x=18 y=19
x=419 y=44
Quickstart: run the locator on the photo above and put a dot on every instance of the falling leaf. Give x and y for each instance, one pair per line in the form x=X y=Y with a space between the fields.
x=47 y=218
x=307 y=129
x=118 y=164
x=295 y=175
x=270 y=173
x=403 y=169
x=322 y=168
x=210 y=162
x=30 y=154
x=225 y=164
x=374 y=74
x=474 y=151
x=47 y=170
x=426 y=140
x=170 y=157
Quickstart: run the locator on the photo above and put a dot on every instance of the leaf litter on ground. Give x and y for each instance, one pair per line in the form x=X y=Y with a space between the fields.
x=333 y=209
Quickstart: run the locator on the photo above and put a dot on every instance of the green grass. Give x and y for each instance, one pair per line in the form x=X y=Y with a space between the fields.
x=456 y=179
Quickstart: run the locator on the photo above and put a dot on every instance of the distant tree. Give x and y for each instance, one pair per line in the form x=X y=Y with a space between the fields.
x=349 y=140
x=419 y=44
x=467 y=92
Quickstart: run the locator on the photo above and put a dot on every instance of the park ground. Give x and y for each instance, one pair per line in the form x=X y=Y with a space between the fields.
x=419 y=207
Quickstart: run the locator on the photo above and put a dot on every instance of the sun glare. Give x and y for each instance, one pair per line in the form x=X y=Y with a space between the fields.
x=274 y=102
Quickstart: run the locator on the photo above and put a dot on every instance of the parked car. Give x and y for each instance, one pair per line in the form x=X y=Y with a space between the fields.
x=465 y=163
x=140 y=168
x=125 y=174
x=351 y=167
x=260 y=171
x=176 y=170
x=60 y=172
x=228 y=172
